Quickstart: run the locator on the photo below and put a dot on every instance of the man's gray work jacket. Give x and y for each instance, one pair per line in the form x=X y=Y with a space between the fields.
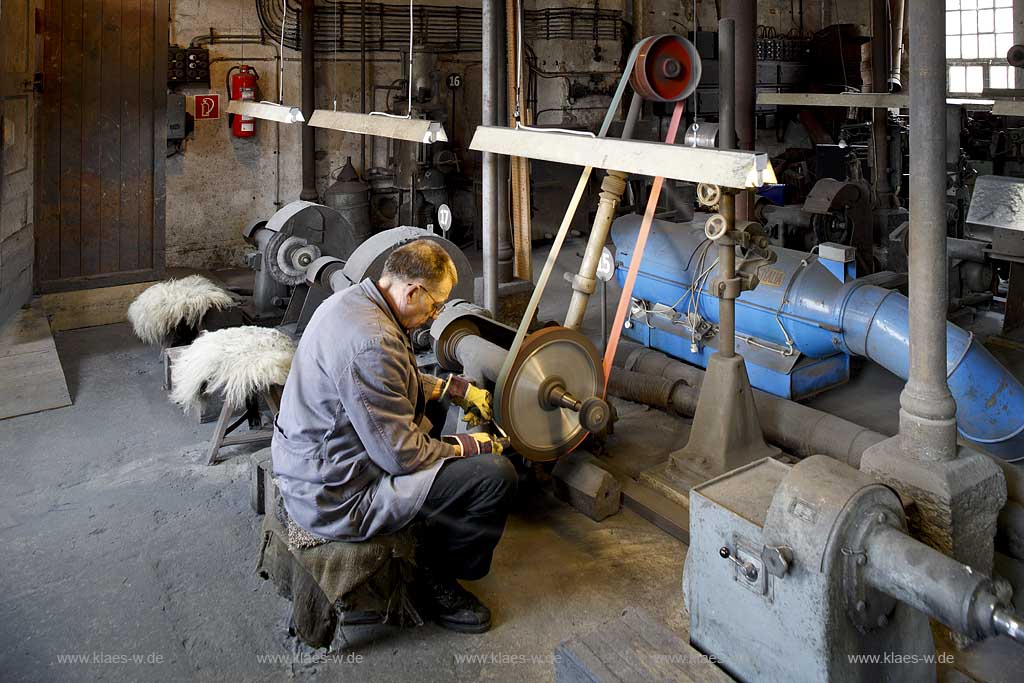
x=350 y=459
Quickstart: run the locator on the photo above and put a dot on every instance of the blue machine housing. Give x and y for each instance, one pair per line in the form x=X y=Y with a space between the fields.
x=798 y=328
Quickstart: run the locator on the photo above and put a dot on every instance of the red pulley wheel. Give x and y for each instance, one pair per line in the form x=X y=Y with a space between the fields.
x=667 y=68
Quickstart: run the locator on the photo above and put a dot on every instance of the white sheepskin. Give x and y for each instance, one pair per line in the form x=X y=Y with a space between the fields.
x=237 y=362
x=159 y=309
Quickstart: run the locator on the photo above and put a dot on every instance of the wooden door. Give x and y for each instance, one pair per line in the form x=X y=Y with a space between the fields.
x=102 y=143
x=17 y=104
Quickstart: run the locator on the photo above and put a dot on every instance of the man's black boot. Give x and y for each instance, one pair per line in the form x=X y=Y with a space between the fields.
x=452 y=606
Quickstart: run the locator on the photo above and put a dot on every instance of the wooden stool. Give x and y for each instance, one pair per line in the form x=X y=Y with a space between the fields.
x=246 y=366
x=223 y=432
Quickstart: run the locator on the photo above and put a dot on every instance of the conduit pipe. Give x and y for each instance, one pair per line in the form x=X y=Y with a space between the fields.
x=814 y=312
x=309 y=192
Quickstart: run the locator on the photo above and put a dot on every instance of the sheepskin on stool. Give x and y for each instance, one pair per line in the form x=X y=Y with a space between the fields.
x=238 y=362
x=159 y=310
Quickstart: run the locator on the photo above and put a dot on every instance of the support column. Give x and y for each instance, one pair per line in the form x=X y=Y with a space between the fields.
x=498 y=291
x=726 y=431
x=491 y=16
x=927 y=409
x=958 y=492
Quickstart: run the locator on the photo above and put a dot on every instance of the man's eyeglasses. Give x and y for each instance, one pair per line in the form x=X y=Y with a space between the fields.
x=436 y=305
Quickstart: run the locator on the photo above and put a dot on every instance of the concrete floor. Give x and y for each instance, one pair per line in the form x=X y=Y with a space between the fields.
x=122 y=543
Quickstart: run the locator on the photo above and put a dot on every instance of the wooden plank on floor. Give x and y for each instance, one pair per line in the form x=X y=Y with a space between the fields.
x=31 y=377
x=633 y=647
x=90 y=307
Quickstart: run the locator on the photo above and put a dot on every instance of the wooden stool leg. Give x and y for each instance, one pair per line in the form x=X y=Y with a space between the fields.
x=219 y=432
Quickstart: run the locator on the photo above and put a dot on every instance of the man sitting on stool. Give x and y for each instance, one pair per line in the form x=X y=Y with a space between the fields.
x=350 y=451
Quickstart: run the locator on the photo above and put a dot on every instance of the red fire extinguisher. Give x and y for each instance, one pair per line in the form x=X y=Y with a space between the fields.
x=242 y=86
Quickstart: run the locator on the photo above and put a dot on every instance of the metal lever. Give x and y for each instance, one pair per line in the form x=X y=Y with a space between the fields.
x=747 y=569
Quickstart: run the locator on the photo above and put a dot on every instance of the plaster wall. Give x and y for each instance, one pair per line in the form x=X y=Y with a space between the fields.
x=221 y=183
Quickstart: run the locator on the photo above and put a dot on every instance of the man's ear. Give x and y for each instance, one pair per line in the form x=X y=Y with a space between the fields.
x=410 y=293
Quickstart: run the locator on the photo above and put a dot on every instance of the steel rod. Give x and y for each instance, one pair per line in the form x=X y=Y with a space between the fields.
x=744 y=13
x=727 y=205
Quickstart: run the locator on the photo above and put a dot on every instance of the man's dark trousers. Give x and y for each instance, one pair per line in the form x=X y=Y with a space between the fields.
x=464 y=515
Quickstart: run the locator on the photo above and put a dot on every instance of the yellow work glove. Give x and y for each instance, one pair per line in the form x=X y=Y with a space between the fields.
x=476 y=402
x=476 y=443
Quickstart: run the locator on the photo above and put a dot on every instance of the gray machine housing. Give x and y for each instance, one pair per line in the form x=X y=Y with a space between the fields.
x=795 y=616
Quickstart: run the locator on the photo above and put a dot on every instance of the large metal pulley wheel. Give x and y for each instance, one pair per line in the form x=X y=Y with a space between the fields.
x=550 y=399
x=667 y=68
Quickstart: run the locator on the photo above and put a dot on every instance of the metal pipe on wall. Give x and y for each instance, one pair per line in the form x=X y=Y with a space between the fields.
x=489 y=187
x=880 y=29
x=927 y=409
x=362 y=82
x=898 y=9
x=309 y=192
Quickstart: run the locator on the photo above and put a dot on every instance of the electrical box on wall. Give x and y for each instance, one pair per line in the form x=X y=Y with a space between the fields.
x=176 y=117
x=188 y=65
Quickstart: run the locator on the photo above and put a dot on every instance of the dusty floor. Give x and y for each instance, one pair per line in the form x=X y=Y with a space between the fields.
x=124 y=549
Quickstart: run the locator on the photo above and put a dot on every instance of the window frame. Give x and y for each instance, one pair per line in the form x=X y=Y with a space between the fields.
x=986 y=63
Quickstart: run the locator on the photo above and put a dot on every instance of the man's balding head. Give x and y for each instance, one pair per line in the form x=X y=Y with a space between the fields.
x=422 y=261
x=418 y=278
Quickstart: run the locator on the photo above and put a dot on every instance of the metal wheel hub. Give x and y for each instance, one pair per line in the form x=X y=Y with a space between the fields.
x=538 y=430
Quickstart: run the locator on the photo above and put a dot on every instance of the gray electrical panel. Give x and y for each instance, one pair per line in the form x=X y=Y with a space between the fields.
x=175 y=116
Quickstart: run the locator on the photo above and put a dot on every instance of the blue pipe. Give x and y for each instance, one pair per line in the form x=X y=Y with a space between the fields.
x=818 y=313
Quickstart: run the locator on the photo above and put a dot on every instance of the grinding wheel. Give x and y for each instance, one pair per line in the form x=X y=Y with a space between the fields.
x=539 y=431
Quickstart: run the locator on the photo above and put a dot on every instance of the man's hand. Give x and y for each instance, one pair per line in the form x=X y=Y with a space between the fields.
x=476 y=443
x=474 y=401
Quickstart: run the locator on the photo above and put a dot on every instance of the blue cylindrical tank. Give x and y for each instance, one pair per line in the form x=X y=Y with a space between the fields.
x=821 y=314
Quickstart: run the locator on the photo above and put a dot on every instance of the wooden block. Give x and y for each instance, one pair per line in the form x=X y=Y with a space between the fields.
x=633 y=647
x=580 y=481
x=31 y=376
x=261 y=481
x=91 y=307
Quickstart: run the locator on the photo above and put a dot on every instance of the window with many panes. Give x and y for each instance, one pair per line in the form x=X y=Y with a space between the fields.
x=978 y=35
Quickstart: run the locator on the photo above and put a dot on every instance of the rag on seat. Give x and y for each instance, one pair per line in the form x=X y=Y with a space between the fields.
x=365 y=582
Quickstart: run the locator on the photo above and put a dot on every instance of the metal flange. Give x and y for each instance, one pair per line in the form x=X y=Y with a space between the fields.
x=539 y=431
